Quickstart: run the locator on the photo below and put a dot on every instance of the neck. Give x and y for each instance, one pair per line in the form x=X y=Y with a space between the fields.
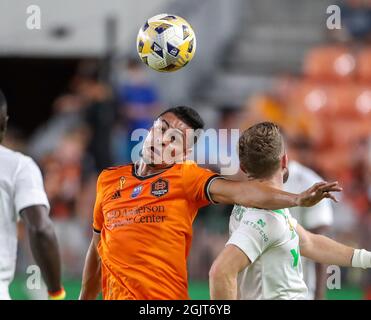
x=275 y=181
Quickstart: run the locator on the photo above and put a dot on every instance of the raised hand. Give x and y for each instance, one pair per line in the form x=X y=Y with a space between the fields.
x=318 y=192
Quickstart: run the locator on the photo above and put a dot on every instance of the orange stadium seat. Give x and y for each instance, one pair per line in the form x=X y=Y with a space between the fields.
x=346 y=132
x=351 y=101
x=342 y=99
x=330 y=63
x=310 y=97
x=338 y=100
x=364 y=65
x=338 y=113
x=363 y=101
x=333 y=161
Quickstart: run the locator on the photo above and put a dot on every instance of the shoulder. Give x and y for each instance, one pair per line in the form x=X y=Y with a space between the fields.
x=260 y=224
x=114 y=175
x=291 y=220
x=10 y=156
x=17 y=162
x=115 y=168
x=188 y=164
x=116 y=171
x=190 y=167
x=28 y=162
x=271 y=221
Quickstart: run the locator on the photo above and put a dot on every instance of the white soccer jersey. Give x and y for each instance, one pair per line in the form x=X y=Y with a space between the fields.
x=21 y=186
x=269 y=240
x=300 y=179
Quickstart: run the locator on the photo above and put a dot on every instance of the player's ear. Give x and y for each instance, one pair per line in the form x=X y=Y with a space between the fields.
x=284 y=161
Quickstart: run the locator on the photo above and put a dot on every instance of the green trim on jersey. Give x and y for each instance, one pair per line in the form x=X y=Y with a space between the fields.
x=280 y=211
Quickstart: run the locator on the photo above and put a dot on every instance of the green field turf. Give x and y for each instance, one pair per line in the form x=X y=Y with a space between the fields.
x=198 y=291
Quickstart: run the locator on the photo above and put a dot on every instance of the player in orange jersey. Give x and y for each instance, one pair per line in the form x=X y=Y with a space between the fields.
x=144 y=213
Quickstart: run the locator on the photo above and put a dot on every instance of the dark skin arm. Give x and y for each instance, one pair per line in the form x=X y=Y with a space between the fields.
x=44 y=245
x=259 y=195
x=91 y=277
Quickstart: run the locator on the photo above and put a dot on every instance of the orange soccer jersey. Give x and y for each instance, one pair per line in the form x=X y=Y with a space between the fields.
x=146 y=229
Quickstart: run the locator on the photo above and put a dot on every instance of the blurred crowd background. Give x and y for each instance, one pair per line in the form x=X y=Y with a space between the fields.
x=73 y=109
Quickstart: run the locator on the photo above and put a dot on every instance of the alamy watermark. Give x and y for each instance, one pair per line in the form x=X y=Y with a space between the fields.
x=214 y=147
x=334 y=19
x=34 y=279
x=33 y=21
x=334 y=279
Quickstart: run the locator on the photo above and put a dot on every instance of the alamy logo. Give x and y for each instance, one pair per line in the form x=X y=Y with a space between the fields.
x=334 y=278
x=33 y=21
x=34 y=279
x=334 y=19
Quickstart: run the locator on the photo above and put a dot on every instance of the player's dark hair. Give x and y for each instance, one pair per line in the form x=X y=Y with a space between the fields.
x=188 y=115
x=260 y=150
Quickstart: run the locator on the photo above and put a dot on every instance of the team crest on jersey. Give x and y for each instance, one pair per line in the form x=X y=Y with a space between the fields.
x=136 y=191
x=159 y=187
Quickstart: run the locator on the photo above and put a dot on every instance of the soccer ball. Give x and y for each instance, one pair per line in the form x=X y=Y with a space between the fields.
x=166 y=43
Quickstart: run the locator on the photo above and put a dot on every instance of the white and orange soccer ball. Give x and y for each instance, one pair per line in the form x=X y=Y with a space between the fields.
x=166 y=43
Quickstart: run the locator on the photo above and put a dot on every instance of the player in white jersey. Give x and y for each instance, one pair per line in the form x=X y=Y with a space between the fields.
x=317 y=219
x=262 y=259
x=22 y=195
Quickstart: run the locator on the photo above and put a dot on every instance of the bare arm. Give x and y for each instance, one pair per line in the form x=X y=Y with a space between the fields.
x=91 y=278
x=320 y=269
x=259 y=195
x=322 y=249
x=224 y=271
x=44 y=245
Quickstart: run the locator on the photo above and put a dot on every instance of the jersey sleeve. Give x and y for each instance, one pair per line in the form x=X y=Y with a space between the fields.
x=29 y=187
x=196 y=182
x=292 y=221
x=98 y=218
x=255 y=233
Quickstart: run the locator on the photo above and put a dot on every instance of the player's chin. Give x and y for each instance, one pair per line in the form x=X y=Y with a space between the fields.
x=148 y=158
x=152 y=159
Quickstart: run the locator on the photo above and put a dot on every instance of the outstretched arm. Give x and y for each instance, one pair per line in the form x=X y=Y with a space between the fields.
x=259 y=195
x=325 y=250
x=91 y=278
x=44 y=247
x=320 y=269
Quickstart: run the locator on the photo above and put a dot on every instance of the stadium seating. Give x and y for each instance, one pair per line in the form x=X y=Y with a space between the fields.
x=330 y=63
x=364 y=65
x=334 y=92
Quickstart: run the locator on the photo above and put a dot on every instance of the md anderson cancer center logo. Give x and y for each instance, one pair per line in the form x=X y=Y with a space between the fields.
x=137 y=215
